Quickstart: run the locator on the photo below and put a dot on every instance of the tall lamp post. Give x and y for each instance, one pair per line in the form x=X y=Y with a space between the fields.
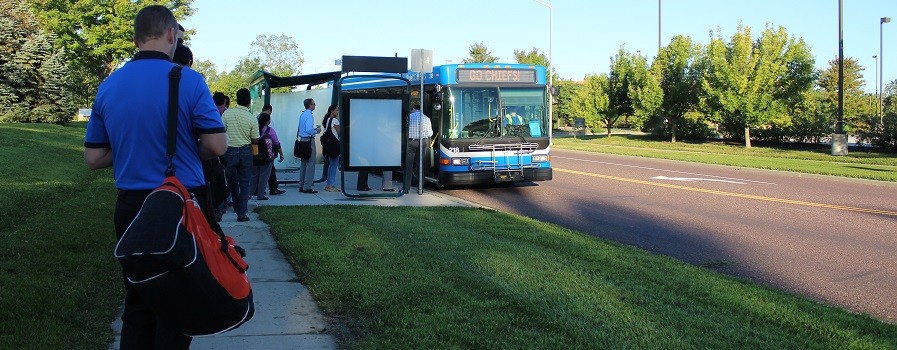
x=839 y=139
x=550 y=70
x=876 y=78
x=881 y=60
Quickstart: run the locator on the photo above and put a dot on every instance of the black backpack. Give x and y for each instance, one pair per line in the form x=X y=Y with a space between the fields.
x=266 y=149
x=329 y=143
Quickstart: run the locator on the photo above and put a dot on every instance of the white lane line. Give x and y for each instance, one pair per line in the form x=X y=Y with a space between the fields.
x=666 y=170
x=690 y=179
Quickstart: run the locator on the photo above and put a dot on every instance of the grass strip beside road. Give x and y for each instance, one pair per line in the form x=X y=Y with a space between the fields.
x=396 y=277
x=421 y=278
x=810 y=159
x=60 y=287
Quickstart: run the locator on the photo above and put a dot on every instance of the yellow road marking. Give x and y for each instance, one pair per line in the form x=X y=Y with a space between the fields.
x=730 y=194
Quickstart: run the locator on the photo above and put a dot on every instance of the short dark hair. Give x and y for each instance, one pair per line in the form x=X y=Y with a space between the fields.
x=183 y=56
x=268 y=107
x=308 y=102
x=415 y=106
x=243 y=98
x=264 y=118
x=152 y=22
x=220 y=98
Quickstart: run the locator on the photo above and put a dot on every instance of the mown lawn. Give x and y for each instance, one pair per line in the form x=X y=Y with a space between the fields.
x=435 y=278
x=811 y=159
x=61 y=287
x=396 y=278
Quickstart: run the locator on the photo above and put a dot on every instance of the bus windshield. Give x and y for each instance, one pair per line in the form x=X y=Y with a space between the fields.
x=477 y=112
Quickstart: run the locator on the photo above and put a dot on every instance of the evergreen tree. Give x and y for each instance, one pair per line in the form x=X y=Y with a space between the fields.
x=34 y=86
x=479 y=53
x=857 y=110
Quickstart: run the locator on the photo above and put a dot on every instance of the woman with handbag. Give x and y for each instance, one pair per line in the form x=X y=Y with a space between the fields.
x=264 y=160
x=330 y=146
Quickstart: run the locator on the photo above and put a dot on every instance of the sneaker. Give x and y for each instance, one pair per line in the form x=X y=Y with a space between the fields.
x=276 y=192
x=308 y=191
x=331 y=189
x=242 y=218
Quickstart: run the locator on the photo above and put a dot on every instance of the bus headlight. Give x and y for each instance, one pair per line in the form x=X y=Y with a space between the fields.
x=540 y=158
x=460 y=161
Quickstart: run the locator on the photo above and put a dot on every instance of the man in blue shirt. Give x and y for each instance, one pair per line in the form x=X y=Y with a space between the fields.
x=128 y=130
x=307 y=132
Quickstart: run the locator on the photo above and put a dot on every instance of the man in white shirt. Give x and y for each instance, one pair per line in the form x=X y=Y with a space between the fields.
x=419 y=132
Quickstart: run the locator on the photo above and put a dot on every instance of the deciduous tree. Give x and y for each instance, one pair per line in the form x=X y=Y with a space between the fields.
x=95 y=36
x=535 y=57
x=568 y=106
x=594 y=100
x=675 y=69
x=751 y=84
x=278 y=55
x=631 y=91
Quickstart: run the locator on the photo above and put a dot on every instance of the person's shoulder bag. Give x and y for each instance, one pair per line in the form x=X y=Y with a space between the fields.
x=329 y=142
x=193 y=276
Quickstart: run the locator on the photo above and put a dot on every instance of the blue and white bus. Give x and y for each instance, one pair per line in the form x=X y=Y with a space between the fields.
x=490 y=121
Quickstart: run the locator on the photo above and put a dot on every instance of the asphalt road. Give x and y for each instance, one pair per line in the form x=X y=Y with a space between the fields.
x=828 y=238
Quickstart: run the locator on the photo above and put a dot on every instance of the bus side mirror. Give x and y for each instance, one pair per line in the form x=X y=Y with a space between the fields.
x=437 y=98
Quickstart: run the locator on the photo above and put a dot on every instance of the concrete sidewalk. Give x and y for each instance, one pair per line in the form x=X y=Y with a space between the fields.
x=286 y=316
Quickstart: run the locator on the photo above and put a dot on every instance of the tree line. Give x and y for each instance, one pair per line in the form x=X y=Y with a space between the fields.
x=750 y=88
x=54 y=54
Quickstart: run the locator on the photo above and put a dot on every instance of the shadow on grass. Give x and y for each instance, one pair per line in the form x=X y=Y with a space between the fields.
x=868 y=168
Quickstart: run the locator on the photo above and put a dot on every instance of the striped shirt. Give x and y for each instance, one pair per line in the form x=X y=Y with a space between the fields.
x=414 y=131
x=241 y=126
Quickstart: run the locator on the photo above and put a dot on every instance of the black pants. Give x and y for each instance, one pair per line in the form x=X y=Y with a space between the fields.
x=272 y=180
x=141 y=329
x=362 y=183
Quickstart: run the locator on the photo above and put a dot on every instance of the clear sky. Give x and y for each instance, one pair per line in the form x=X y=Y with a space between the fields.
x=585 y=33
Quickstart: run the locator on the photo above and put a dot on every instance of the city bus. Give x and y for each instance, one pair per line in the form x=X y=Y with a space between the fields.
x=490 y=121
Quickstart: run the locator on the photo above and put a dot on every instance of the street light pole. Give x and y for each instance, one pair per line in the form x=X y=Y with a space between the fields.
x=876 y=79
x=881 y=61
x=839 y=139
x=550 y=69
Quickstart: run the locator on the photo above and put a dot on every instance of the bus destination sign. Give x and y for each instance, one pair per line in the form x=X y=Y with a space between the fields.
x=496 y=75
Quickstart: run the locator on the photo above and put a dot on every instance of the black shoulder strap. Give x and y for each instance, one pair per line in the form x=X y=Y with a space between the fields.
x=174 y=78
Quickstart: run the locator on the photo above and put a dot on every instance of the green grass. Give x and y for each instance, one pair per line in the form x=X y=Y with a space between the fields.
x=810 y=159
x=61 y=287
x=456 y=278
x=396 y=278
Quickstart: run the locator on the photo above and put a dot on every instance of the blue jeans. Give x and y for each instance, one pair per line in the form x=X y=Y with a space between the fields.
x=239 y=173
x=332 y=167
